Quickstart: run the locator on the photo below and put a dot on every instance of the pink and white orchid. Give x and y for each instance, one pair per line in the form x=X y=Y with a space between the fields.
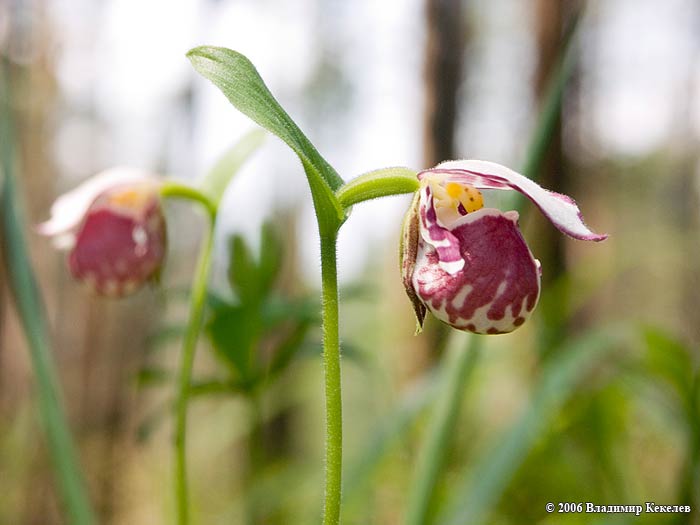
x=470 y=265
x=113 y=225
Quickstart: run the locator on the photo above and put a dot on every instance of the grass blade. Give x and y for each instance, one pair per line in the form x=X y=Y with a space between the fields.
x=217 y=179
x=483 y=485
x=388 y=432
x=456 y=371
x=23 y=286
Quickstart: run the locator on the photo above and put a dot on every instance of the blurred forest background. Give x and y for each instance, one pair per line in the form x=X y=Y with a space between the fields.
x=595 y=399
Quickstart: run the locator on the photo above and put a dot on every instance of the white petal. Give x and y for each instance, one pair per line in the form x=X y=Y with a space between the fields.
x=558 y=208
x=68 y=210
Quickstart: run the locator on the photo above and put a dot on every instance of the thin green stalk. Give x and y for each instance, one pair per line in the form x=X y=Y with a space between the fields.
x=177 y=190
x=377 y=183
x=331 y=365
x=194 y=324
x=456 y=370
x=23 y=285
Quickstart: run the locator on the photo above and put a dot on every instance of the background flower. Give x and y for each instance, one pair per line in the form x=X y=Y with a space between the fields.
x=113 y=225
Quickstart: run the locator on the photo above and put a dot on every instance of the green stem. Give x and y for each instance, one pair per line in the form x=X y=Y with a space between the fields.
x=331 y=365
x=378 y=183
x=197 y=302
x=456 y=370
x=177 y=190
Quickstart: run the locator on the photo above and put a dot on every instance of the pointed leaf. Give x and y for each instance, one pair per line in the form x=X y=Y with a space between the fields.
x=277 y=310
x=238 y=79
x=669 y=359
x=234 y=333
x=270 y=258
x=243 y=272
x=215 y=182
x=288 y=349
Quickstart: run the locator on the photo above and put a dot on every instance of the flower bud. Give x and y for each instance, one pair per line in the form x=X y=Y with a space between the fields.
x=113 y=225
x=121 y=242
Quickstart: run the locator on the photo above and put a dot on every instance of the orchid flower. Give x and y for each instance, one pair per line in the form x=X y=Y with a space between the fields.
x=470 y=265
x=114 y=227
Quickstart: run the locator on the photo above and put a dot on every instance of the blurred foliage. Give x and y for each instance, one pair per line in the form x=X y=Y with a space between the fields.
x=258 y=333
x=254 y=331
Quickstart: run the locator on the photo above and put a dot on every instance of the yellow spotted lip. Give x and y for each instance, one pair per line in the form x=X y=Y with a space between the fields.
x=464 y=197
x=453 y=200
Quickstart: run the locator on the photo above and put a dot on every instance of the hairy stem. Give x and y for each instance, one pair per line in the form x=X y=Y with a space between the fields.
x=176 y=190
x=377 y=183
x=331 y=365
x=194 y=324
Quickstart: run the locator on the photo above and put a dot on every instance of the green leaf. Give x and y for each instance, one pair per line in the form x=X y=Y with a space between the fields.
x=288 y=349
x=484 y=483
x=271 y=252
x=279 y=309
x=234 y=333
x=215 y=182
x=243 y=271
x=241 y=83
x=670 y=360
x=150 y=376
x=216 y=387
x=252 y=279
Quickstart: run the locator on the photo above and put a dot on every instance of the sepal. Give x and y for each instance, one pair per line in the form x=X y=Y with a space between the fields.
x=408 y=252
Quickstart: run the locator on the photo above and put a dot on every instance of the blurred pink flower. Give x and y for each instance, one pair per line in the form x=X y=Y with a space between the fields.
x=469 y=265
x=114 y=227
